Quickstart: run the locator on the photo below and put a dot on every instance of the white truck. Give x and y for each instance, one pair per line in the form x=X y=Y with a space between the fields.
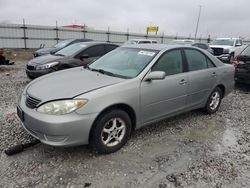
x=226 y=48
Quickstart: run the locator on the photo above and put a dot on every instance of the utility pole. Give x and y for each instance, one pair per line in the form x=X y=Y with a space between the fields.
x=197 y=25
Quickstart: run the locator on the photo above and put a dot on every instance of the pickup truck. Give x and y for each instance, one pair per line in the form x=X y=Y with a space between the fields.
x=226 y=49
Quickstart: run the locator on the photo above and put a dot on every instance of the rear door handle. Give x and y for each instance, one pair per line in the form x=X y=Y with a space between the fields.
x=183 y=82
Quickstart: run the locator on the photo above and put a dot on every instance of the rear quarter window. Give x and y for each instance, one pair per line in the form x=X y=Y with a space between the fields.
x=195 y=59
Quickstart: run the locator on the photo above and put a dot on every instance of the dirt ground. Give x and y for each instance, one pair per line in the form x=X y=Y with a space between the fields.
x=189 y=150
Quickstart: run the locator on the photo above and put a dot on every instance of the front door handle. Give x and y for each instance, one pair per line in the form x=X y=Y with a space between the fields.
x=183 y=82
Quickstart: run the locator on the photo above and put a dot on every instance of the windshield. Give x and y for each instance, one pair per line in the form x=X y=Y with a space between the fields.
x=63 y=43
x=124 y=62
x=70 y=50
x=227 y=42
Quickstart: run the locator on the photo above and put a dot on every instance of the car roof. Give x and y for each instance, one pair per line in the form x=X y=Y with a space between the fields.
x=226 y=38
x=142 y=39
x=91 y=43
x=200 y=43
x=155 y=46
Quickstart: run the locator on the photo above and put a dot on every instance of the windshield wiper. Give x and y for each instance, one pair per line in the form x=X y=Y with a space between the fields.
x=102 y=71
x=59 y=55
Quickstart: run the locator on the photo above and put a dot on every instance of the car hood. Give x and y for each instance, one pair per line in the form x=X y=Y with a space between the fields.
x=44 y=59
x=68 y=84
x=221 y=46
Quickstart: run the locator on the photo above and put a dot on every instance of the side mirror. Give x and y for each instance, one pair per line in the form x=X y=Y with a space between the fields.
x=156 y=75
x=84 y=56
x=237 y=45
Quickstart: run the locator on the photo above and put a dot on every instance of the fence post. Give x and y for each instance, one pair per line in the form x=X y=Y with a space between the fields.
x=127 y=34
x=208 y=39
x=108 y=35
x=84 y=31
x=162 y=37
x=24 y=34
x=57 y=36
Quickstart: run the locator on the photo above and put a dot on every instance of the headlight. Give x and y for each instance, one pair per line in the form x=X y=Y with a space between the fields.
x=46 y=66
x=61 y=107
x=226 y=51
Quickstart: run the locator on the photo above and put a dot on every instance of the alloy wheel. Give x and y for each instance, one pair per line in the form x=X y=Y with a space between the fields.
x=113 y=132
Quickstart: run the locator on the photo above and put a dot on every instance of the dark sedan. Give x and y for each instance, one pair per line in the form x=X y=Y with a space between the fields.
x=58 y=46
x=78 y=54
x=242 y=66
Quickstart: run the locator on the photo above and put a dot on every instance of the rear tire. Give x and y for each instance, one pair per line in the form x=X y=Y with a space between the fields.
x=214 y=101
x=111 y=131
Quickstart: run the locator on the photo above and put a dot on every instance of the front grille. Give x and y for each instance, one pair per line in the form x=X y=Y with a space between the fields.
x=218 y=51
x=30 y=67
x=32 y=102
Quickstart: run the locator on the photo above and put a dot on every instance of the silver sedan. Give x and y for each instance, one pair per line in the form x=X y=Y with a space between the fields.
x=128 y=88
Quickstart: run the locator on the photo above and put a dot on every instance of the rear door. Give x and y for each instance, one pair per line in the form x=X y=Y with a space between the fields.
x=202 y=76
x=162 y=97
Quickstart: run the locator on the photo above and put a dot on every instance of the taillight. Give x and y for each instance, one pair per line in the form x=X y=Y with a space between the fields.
x=235 y=61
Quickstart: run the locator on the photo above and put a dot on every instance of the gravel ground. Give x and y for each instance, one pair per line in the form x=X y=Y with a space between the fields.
x=190 y=150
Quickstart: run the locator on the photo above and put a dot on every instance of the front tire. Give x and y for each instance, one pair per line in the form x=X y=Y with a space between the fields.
x=111 y=131
x=214 y=101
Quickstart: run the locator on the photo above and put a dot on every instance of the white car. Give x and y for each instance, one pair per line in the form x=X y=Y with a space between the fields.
x=183 y=41
x=140 y=41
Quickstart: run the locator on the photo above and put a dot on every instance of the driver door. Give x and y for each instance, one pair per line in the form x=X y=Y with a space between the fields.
x=160 y=98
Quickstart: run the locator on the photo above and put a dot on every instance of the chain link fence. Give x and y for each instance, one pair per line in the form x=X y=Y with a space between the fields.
x=34 y=36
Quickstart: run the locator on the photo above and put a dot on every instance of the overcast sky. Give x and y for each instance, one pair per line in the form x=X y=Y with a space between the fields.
x=219 y=18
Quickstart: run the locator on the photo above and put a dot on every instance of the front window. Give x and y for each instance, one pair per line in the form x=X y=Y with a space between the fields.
x=227 y=42
x=64 y=43
x=124 y=62
x=71 y=49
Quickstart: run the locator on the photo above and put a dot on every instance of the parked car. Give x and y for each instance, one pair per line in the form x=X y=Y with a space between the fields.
x=140 y=41
x=182 y=42
x=126 y=89
x=242 y=66
x=226 y=48
x=75 y=55
x=58 y=46
x=203 y=46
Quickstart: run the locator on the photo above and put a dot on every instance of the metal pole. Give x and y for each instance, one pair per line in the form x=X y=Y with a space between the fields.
x=24 y=34
x=57 y=36
x=127 y=33
x=162 y=37
x=108 y=34
x=197 y=25
x=84 y=31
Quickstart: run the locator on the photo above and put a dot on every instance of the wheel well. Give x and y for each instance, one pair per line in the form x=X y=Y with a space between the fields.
x=123 y=107
x=222 y=88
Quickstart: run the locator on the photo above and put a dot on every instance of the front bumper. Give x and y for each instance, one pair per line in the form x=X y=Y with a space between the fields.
x=64 y=130
x=36 y=73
